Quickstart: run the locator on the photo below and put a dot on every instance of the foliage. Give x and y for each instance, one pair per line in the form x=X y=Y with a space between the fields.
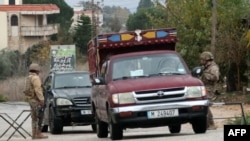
x=115 y=24
x=239 y=120
x=3 y=98
x=139 y=20
x=10 y=64
x=192 y=20
x=38 y=53
x=82 y=33
x=114 y=17
x=144 y=4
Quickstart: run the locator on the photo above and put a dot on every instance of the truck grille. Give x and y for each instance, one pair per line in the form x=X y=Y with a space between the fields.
x=170 y=94
x=82 y=101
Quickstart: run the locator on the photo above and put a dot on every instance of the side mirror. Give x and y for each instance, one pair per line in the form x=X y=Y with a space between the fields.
x=197 y=71
x=98 y=81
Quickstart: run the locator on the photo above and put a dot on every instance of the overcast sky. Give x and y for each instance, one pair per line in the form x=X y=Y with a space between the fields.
x=130 y=4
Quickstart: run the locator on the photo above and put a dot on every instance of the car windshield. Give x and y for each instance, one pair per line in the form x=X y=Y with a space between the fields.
x=72 y=80
x=147 y=66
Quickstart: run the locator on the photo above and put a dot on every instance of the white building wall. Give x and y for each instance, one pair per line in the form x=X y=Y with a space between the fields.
x=6 y=2
x=29 y=20
x=3 y=31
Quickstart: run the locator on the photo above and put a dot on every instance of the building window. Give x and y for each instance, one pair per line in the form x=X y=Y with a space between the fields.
x=14 y=20
x=12 y=2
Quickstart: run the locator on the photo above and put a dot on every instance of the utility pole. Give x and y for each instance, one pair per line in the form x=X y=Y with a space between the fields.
x=93 y=21
x=214 y=22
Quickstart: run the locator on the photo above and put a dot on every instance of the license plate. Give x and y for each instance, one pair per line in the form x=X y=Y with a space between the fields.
x=163 y=113
x=86 y=112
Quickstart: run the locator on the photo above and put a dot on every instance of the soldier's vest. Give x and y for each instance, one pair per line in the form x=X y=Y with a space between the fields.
x=29 y=90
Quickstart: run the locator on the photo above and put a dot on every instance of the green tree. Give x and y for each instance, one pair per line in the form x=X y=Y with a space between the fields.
x=82 y=33
x=193 y=22
x=141 y=19
x=114 y=17
x=115 y=24
x=145 y=4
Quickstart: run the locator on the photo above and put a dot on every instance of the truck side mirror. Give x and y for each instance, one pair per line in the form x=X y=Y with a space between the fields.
x=197 y=71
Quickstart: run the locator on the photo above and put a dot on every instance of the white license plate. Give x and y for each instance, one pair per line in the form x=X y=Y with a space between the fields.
x=86 y=112
x=163 y=113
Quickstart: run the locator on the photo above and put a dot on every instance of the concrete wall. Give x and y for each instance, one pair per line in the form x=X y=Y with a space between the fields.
x=3 y=31
x=6 y=2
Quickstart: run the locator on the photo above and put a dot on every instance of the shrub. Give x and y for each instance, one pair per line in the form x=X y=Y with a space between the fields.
x=3 y=98
x=239 y=121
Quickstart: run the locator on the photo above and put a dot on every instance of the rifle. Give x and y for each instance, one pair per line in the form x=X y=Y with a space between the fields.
x=40 y=116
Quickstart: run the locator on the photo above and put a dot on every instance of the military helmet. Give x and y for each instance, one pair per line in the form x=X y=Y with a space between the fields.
x=206 y=55
x=34 y=67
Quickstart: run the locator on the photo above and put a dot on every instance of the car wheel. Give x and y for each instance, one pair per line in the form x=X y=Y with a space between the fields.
x=116 y=131
x=199 y=125
x=174 y=128
x=55 y=123
x=101 y=128
x=45 y=128
x=93 y=127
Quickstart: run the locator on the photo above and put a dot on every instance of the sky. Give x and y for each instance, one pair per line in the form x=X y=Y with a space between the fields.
x=130 y=4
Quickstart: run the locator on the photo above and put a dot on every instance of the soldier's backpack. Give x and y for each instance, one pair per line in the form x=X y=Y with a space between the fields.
x=28 y=90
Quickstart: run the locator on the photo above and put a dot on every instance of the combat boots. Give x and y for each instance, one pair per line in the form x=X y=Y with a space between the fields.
x=39 y=135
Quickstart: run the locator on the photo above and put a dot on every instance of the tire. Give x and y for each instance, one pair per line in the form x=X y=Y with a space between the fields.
x=174 y=128
x=45 y=128
x=93 y=126
x=101 y=128
x=116 y=131
x=199 y=125
x=55 y=123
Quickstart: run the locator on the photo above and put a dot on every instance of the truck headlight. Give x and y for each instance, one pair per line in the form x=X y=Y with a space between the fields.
x=196 y=91
x=63 y=102
x=123 y=98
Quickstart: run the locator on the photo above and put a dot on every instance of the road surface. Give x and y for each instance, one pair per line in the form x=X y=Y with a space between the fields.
x=84 y=133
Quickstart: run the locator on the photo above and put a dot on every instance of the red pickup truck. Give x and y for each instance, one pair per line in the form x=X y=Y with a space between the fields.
x=140 y=81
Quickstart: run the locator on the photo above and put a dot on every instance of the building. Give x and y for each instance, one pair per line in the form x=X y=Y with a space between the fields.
x=23 y=25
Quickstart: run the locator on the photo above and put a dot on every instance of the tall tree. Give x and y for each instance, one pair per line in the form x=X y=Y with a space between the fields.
x=82 y=33
x=145 y=4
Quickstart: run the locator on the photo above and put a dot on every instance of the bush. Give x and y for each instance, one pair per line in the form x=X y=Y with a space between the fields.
x=3 y=98
x=240 y=121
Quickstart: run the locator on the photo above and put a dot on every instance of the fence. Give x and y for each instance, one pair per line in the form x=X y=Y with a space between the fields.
x=243 y=117
x=13 y=123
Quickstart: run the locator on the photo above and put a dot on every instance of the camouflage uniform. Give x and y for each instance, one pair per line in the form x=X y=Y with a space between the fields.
x=210 y=76
x=36 y=101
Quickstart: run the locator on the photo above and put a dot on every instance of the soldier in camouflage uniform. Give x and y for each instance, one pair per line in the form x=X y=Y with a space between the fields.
x=36 y=100
x=210 y=76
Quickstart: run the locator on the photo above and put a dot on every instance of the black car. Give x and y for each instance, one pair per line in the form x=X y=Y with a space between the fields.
x=67 y=96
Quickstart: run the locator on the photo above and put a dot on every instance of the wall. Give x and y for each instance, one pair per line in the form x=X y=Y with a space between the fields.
x=3 y=30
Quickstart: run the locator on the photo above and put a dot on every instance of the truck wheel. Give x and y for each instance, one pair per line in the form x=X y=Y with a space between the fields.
x=199 y=125
x=101 y=128
x=174 y=128
x=55 y=123
x=116 y=131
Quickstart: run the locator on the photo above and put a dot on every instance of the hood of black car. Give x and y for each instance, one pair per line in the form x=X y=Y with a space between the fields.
x=71 y=93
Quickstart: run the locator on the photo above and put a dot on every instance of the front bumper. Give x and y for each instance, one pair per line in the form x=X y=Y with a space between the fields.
x=74 y=116
x=188 y=112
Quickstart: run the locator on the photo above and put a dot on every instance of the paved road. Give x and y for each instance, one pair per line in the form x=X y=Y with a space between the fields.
x=84 y=133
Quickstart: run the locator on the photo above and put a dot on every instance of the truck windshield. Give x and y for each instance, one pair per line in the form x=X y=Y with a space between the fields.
x=147 y=66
